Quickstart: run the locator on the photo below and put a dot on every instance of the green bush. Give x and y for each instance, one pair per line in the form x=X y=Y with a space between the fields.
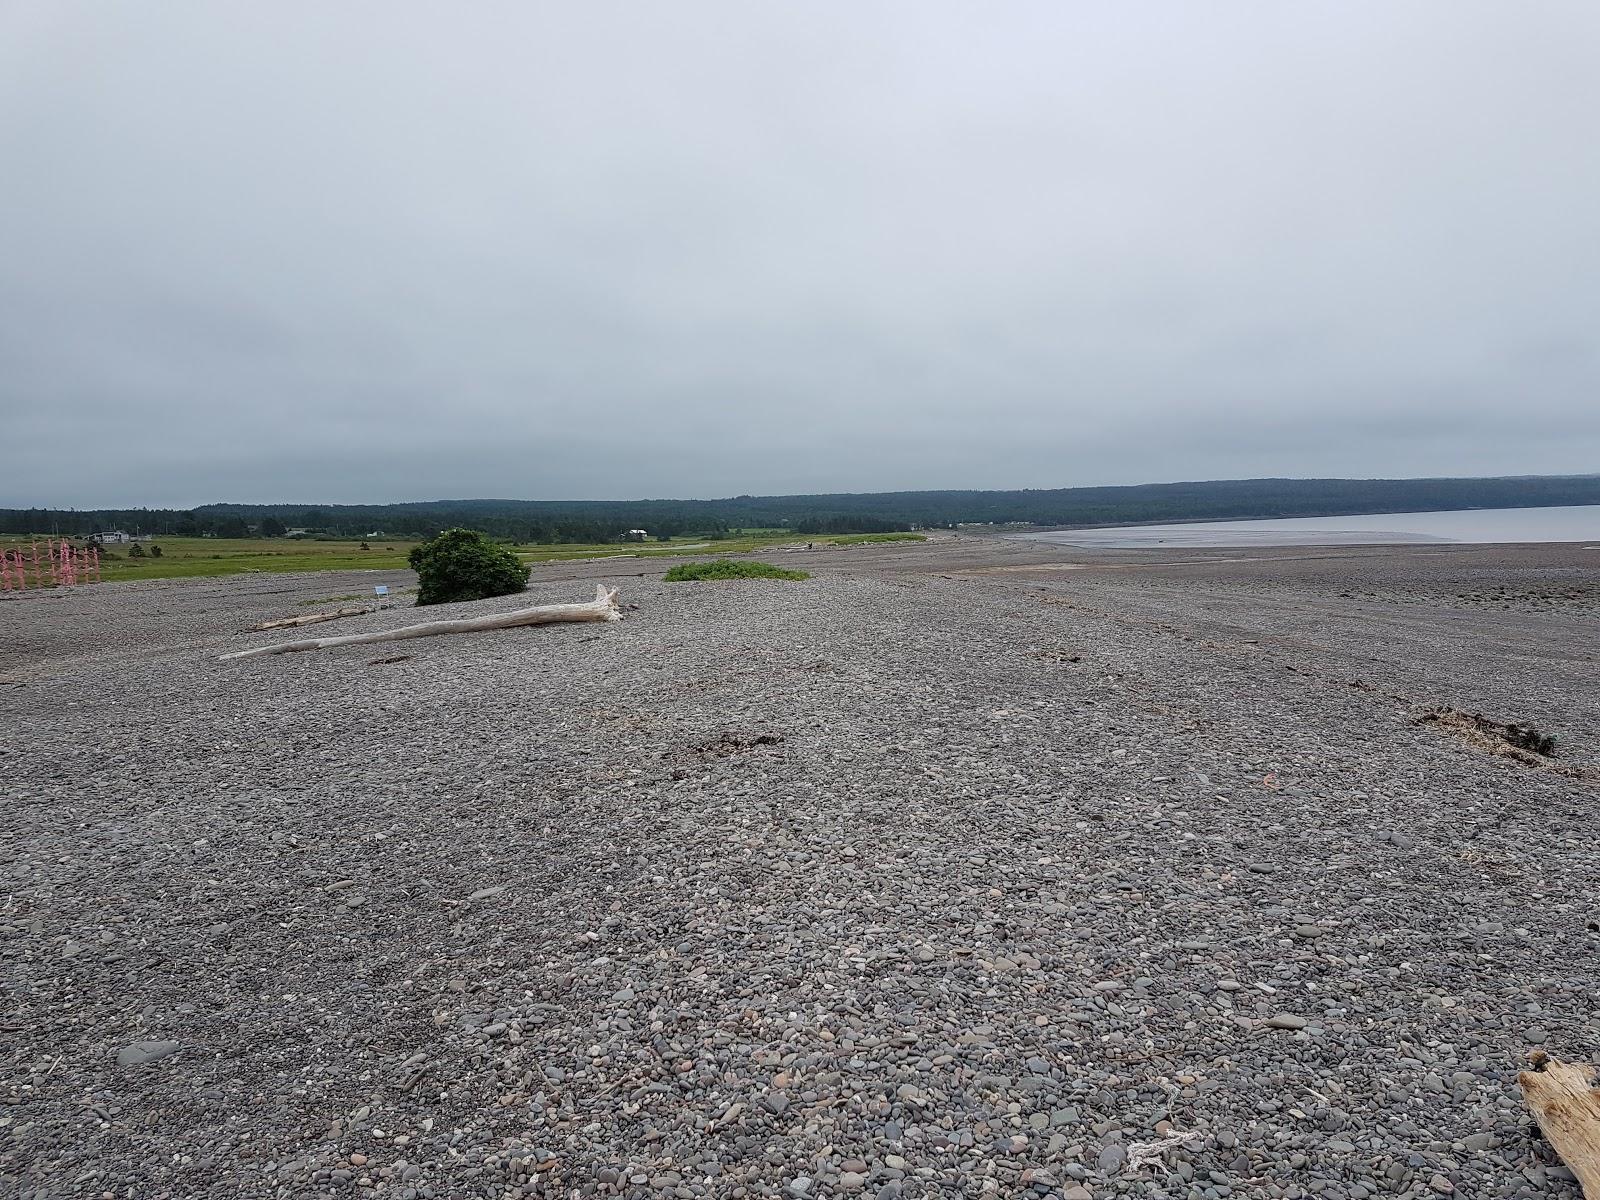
x=728 y=568
x=463 y=564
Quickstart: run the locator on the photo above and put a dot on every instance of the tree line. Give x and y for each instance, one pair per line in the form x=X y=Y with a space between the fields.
x=575 y=521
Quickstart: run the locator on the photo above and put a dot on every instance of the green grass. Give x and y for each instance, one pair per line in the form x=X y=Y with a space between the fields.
x=200 y=557
x=856 y=539
x=742 y=542
x=728 y=568
x=195 y=557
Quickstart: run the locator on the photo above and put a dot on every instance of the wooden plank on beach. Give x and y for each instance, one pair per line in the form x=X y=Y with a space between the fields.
x=311 y=618
x=602 y=608
x=1566 y=1103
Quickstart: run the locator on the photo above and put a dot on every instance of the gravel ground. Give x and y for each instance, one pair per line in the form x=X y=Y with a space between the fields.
x=911 y=880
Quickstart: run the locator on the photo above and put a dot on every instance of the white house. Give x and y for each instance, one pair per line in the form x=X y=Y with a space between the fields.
x=110 y=536
x=637 y=535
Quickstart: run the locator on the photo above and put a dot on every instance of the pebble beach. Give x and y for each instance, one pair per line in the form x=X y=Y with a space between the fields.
x=957 y=870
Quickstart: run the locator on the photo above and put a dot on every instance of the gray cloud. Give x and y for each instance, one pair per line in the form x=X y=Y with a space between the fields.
x=367 y=252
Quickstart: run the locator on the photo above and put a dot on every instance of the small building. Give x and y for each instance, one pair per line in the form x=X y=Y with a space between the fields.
x=111 y=536
x=636 y=535
x=297 y=533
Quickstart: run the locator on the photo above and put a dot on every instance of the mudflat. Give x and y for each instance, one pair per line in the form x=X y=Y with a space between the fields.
x=963 y=868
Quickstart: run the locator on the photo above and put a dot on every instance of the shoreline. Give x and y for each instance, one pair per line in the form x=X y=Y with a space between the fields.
x=1430 y=526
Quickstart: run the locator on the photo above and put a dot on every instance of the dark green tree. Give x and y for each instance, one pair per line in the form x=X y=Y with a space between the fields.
x=463 y=564
x=272 y=527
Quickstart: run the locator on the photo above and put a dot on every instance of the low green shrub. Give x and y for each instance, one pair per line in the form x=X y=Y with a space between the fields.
x=463 y=564
x=729 y=568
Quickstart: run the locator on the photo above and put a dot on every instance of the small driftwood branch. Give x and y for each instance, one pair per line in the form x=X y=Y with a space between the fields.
x=311 y=619
x=602 y=608
x=1148 y=1154
x=1566 y=1104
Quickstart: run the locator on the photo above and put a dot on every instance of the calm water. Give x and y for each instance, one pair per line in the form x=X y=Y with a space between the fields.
x=1578 y=523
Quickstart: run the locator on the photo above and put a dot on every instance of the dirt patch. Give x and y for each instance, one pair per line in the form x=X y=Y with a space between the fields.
x=1505 y=739
x=737 y=743
x=1055 y=654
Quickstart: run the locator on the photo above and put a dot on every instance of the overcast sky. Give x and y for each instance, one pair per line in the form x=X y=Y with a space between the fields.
x=368 y=252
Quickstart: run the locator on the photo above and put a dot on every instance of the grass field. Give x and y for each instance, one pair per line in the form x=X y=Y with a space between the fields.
x=181 y=557
x=185 y=557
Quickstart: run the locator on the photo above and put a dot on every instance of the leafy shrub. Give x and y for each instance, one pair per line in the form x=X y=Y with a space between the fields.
x=728 y=568
x=155 y=550
x=463 y=564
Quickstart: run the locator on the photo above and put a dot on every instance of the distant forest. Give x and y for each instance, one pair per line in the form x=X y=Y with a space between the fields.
x=867 y=512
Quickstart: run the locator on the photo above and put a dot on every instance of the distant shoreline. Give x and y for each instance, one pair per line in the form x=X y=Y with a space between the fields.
x=1472 y=526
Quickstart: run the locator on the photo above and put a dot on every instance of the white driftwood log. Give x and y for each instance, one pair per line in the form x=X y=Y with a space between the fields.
x=602 y=608
x=1566 y=1104
x=311 y=618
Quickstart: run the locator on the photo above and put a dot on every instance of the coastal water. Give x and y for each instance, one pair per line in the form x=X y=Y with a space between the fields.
x=1576 y=523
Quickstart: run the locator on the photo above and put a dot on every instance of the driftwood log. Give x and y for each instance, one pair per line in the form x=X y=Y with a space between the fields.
x=311 y=618
x=1566 y=1104
x=602 y=608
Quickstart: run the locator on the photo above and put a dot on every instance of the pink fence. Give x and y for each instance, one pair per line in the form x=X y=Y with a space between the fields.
x=47 y=564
